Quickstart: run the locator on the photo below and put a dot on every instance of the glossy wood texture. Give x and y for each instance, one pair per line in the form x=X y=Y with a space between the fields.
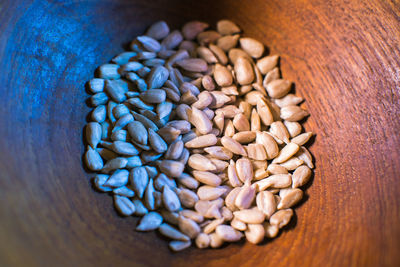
x=344 y=57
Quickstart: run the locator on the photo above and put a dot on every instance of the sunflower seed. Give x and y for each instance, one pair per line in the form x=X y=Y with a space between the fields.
x=305 y=156
x=188 y=227
x=286 y=153
x=109 y=71
x=201 y=163
x=193 y=215
x=191 y=29
x=207 y=192
x=244 y=137
x=118 y=178
x=244 y=170
x=171 y=168
x=149 y=43
x=271 y=231
x=93 y=159
x=140 y=208
x=255 y=233
x=276 y=181
x=170 y=199
x=158 y=30
x=228 y=42
x=243 y=71
x=253 y=216
x=256 y=151
x=207 y=37
x=188 y=198
x=233 y=146
x=179 y=245
x=202 y=141
x=267 y=63
x=264 y=112
x=202 y=240
x=252 y=47
x=114 y=164
x=266 y=203
x=139 y=180
x=172 y=233
x=227 y=27
x=207 y=178
x=278 y=130
x=245 y=197
x=206 y=54
x=281 y=217
x=150 y=221
x=293 y=113
x=124 y=205
x=93 y=134
x=271 y=147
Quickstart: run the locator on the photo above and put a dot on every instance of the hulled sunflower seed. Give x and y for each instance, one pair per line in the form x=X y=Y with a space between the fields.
x=124 y=205
x=255 y=233
x=281 y=217
x=233 y=146
x=150 y=221
x=201 y=163
x=252 y=47
x=202 y=141
x=253 y=216
x=172 y=233
x=93 y=159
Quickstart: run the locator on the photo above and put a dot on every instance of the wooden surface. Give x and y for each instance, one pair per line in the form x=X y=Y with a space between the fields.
x=344 y=58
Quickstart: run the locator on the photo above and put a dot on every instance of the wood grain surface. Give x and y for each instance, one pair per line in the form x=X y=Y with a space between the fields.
x=344 y=57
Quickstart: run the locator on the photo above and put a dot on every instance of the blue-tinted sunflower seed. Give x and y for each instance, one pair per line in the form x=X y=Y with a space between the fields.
x=120 y=110
x=172 y=233
x=157 y=77
x=96 y=85
x=124 y=205
x=138 y=132
x=140 y=84
x=124 y=148
x=156 y=142
x=93 y=134
x=163 y=180
x=139 y=180
x=119 y=135
x=124 y=191
x=123 y=58
x=131 y=66
x=170 y=199
x=140 y=208
x=99 y=114
x=145 y=121
x=122 y=122
x=150 y=156
x=114 y=164
x=93 y=160
x=139 y=104
x=133 y=162
x=98 y=99
x=164 y=109
x=149 y=199
x=149 y=43
x=153 y=96
x=154 y=62
x=150 y=221
x=109 y=71
x=165 y=54
x=172 y=40
x=118 y=178
x=98 y=182
x=145 y=55
x=105 y=130
x=116 y=89
x=110 y=106
x=143 y=72
x=151 y=171
x=131 y=76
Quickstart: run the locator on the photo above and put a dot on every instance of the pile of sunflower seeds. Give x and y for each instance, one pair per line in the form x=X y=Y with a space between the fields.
x=196 y=132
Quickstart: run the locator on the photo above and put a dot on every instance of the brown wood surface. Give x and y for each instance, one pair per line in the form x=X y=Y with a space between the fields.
x=344 y=57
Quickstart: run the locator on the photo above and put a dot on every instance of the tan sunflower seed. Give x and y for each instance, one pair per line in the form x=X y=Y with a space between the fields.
x=281 y=218
x=188 y=227
x=202 y=240
x=288 y=100
x=229 y=111
x=193 y=215
x=219 y=152
x=230 y=90
x=171 y=168
x=220 y=165
x=276 y=169
x=292 y=163
x=301 y=176
x=200 y=120
x=124 y=205
x=244 y=170
x=255 y=233
x=302 y=138
x=256 y=152
x=293 y=113
x=278 y=88
x=264 y=112
x=207 y=192
x=149 y=222
x=228 y=233
x=289 y=197
x=238 y=225
x=215 y=240
x=245 y=197
x=208 y=37
x=226 y=214
x=188 y=198
x=255 y=121
x=227 y=27
x=275 y=181
x=243 y=71
x=188 y=98
x=294 y=128
x=286 y=153
x=228 y=42
x=201 y=163
x=219 y=121
x=213 y=225
x=241 y=123
x=266 y=203
x=260 y=174
x=202 y=141
x=204 y=99
x=267 y=63
x=206 y=54
x=232 y=176
x=219 y=53
x=253 y=216
x=271 y=231
x=271 y=147
x=233 y=146
x=181 y=125
x=305 y=156
x=191 y=29
x=252 y=47
x=222 y=76
x=229 y=128
x=278 y=130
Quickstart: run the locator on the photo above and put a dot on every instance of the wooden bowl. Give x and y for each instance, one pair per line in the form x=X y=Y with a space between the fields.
x=344 y=59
